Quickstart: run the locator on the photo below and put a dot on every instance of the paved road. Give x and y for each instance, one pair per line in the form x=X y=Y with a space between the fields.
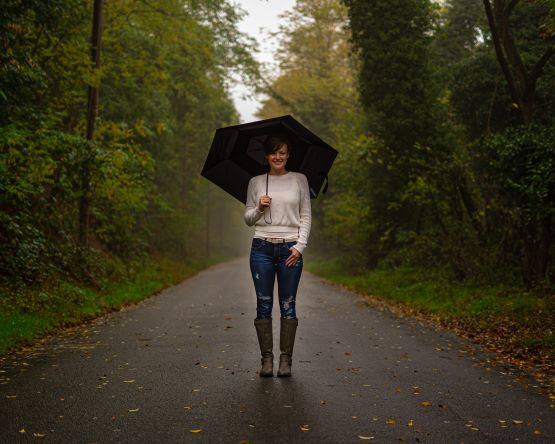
x=181 y=367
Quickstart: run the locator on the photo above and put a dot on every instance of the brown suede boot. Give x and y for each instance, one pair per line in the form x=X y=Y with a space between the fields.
x=288 y=328
x=266 y=342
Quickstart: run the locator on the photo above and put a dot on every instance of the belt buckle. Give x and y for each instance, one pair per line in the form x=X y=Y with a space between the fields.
x=276 y=240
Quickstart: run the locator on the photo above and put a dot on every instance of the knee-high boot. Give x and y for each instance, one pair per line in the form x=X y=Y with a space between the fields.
x=287 y=332
x=266 y=342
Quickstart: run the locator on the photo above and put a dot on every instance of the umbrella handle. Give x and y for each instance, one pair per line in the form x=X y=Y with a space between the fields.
x=269 y=209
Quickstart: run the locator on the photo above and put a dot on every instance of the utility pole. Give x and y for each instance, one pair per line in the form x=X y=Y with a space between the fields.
x=92 y=105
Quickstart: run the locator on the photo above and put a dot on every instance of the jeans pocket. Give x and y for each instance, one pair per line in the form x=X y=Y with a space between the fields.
x=257 y=243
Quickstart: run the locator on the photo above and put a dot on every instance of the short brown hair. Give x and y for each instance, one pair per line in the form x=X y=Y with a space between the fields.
x=273 y=142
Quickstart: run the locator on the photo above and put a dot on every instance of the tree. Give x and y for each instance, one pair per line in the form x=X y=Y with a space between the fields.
x=521 y=75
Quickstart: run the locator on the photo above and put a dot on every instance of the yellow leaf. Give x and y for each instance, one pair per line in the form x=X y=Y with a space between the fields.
x=22 y=431
x=366 y=438
x=390 y=421
x=410 y=423
x=518 y=421
x=133 y=410
x=426 y=403
x=39 y=435
x=305 y=427
x=537 y=432
x=195 y=430
x=129 y=381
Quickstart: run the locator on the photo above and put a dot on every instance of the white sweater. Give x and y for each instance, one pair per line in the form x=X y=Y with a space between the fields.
x=289 y=210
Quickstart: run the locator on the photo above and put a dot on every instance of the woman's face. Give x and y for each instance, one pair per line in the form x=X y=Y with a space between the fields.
x=278 y=159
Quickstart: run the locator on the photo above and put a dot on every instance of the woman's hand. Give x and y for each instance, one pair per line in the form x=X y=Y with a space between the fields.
x=264 y=202
x=293 y=258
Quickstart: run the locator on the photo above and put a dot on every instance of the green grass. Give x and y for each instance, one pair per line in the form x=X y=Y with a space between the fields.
x=427 y=292
x=27 y=314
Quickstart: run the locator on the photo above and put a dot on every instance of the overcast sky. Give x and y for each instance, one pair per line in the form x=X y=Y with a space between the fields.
x=262 y=16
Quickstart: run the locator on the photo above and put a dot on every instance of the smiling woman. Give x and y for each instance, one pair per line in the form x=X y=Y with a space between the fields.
x=280 y=237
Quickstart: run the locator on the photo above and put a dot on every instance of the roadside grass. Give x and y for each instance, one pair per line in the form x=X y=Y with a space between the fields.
x=27 y=314
x=511 y=320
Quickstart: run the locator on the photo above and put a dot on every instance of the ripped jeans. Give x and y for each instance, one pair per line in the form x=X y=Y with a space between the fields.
x=266 y=260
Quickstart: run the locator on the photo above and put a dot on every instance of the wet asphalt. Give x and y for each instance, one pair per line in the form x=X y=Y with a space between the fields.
x=182 y=367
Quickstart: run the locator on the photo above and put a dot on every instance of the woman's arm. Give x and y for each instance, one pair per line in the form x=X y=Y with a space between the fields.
x=305 y=214
x=252 y=213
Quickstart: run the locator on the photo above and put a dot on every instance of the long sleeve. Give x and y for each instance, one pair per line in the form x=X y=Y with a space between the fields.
x=304 y=213
x=251 y=211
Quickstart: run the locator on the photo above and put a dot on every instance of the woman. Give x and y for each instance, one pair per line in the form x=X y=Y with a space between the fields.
x=278 y=205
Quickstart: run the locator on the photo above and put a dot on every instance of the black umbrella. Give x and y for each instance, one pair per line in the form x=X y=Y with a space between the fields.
x=237 y=154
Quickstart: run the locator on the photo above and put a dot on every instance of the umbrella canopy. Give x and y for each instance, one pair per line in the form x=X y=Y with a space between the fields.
x=237 y=154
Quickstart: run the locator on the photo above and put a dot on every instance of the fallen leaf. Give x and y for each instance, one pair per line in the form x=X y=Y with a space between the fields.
x=322 y=402
x=366 y=438
x=133 y=410
x=305 y=427
x=11 y=396
x=426 y=403
x=410 y=423
x=537 y=432
x=195 y=430
x=129 y=381
x=390 y=421
x=518 y=421
x=39 y=435
x=22 y=431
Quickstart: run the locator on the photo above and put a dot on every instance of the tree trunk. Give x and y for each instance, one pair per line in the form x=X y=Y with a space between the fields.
x=521 y=80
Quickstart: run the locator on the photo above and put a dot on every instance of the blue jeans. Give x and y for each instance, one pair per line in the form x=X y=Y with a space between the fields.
x=266 y=260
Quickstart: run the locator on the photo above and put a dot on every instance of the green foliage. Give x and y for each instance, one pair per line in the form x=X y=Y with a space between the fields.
x=163 y=83
x=393 y=38
x=40 y=184
x=521 y=163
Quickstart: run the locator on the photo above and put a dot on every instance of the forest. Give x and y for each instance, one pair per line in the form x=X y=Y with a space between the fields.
x=443 y=114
